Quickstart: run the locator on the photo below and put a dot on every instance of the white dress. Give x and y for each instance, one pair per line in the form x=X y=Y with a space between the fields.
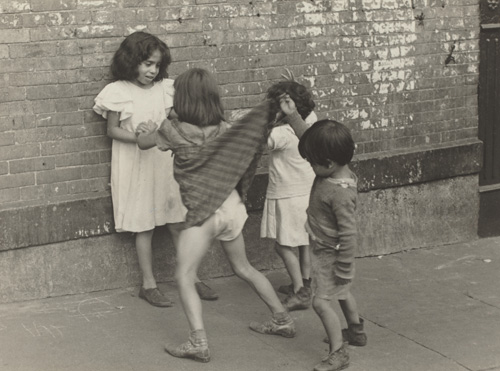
x=290 y=181
x=144 y=192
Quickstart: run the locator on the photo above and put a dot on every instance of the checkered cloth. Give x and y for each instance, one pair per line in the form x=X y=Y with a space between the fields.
x=227 y=162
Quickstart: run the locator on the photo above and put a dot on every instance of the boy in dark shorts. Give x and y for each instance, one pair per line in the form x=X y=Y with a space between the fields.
x=332 y=228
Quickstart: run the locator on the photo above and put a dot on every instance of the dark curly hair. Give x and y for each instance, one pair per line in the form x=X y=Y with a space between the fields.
x=327 y=140
x=299 y=94
x=135 y=49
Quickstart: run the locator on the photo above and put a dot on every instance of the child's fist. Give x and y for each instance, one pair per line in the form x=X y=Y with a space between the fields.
x=287 y=104
x=146 y=127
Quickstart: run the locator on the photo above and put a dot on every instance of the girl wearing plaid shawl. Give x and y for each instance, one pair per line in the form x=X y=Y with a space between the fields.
x=214 y=165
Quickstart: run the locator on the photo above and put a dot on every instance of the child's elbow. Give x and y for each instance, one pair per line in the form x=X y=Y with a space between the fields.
x=141 y=144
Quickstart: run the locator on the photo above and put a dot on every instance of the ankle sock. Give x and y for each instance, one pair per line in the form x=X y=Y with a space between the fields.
x=281 y=318
x=198 y=337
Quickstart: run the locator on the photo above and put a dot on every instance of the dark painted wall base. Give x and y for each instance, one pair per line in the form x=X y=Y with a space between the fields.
x=489 y=214
x=406 y=201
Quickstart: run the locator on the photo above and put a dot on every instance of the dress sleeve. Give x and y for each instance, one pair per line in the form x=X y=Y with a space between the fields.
x=280 y=138
x=168 y=92
x=162 y=135
x=114 y=97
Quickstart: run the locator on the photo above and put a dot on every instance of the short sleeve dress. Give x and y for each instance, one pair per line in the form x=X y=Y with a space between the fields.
x=290 y=181
x=144 y=192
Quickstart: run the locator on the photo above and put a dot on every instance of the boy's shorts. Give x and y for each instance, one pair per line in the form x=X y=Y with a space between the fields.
x=230 y=218
x=323 y=282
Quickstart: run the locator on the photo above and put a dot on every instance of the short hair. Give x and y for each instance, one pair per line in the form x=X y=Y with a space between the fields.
x=135 y=49
x=197 y=100
x=327 y=140
x=299 y=94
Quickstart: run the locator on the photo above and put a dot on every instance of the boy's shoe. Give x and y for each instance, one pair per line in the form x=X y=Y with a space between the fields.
x=281 y=324
x=335 y=361
x=302 y=299
x=196 y=348
x=286 y=289
x=155 y=297
x=354 y=334
x=205 y=292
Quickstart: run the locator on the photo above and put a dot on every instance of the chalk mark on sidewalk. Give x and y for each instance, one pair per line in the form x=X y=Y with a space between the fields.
x=38 y=330
x=96 y=314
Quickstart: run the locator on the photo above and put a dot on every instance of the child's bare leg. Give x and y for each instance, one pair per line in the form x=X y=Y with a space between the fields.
x=305 y=261
x=331 y=322
x=149 y=291
x=354 y=334
x=192 y=246
x=236 y=254
x=300 y=298
x=204 y=291
x=281 y=323
x=350 y=309
x=144 y=250
x=292 y=265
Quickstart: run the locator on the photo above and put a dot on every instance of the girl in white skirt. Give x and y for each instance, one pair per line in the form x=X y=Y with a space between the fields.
x=287 y=197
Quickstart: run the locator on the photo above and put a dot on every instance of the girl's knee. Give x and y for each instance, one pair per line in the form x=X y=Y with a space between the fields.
x=319 y=305
x=184 y=275
x=244 y=271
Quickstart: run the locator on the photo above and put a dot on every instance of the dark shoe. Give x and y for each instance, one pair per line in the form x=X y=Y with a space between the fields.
x=302 y=299
x=155 y=297
x=284 y=327
x=286 y=289
x=335 y=361
x=198 y=352
x=205 y=292
x=354 y=334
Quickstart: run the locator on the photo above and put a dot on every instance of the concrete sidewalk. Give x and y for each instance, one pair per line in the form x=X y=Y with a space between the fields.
x=428 y=309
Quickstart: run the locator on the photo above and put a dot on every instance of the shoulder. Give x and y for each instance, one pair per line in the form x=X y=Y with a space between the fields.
x=283 y=130
x=168 y=86
x=115 y=96
x=115 y=87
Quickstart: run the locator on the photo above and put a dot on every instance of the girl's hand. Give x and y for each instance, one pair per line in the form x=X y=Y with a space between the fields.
x=287 y=104
x=146 y=127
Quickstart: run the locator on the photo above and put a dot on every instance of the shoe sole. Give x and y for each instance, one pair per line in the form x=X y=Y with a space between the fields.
x=327 y=341
x=291 y=309
x=166 y=305
x=338 y=369
x=200 y=359
x=203 y=359
x=284 y=334
x=209 y=298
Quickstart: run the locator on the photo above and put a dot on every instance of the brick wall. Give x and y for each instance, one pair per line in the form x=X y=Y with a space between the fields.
x=401 y=74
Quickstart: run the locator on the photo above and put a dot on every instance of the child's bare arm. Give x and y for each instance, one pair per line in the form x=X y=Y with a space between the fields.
x=114 y=131
x=146 y=141
x=293 y=118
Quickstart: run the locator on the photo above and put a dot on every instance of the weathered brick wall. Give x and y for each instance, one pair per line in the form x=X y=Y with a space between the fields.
x=399 y=73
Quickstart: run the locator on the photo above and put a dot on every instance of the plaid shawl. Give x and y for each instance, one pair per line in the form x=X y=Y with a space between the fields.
x=213 y=170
